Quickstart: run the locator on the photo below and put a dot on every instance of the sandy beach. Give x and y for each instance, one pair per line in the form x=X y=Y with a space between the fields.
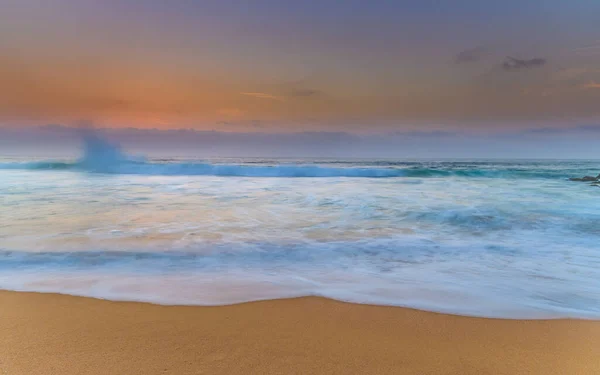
x=62 y=335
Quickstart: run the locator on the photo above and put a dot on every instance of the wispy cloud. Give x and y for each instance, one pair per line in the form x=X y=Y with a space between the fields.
x=590 y=49
x=591 y=85
x=595 y=45
x=262 y=95
x=249 y=139
x=560 y=130
x=285 y=92
x=298 y=92
x=513 y=64
x=572 y=73
x=591 y=128
x=470 y=55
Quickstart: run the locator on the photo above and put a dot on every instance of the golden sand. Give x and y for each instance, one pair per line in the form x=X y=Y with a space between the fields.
x=51 y=334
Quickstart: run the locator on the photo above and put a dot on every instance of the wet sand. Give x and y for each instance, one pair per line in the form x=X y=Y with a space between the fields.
x=51 y=334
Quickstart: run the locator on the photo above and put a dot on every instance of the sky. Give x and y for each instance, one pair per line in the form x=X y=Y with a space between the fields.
x=362 y=68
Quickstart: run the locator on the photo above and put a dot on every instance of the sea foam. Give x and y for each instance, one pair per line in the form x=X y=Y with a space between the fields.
x=511 y=239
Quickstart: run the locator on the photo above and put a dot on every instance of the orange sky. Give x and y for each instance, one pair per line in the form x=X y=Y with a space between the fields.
x=290 y=67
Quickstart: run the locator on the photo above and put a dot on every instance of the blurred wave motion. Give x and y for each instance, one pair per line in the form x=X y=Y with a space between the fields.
x=498 y=238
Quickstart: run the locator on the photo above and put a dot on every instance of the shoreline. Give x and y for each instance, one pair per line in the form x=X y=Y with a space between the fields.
x=548 y=316
x=43 y=333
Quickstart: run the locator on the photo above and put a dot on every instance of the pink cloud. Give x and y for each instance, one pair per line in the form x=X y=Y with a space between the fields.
x=262 y=95
x=591 y=85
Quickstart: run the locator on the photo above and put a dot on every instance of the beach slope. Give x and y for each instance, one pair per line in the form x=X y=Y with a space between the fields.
x=53 y=334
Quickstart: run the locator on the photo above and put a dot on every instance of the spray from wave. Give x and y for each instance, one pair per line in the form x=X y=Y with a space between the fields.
x=100 y=155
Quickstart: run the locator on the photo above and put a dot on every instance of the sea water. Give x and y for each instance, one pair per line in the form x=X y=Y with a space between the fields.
x=510 y=239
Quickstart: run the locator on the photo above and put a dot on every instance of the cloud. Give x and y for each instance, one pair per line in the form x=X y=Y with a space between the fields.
x=470 y=55
x=427 y=134
x=304 y=92
x=537 y=91
x=591 y=128
x=560 y=130
x=511 y=64
x=257 y=124
x=61 y=141
x=262 y=95
x=542 y=131
x=591 y=85
x=593 y=48
x=569 y=73
x=286 y=91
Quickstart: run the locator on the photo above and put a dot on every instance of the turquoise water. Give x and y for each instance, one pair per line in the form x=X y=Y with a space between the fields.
x=512 y=239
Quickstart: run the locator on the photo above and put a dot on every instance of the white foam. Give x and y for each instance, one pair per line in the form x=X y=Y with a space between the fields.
x=499 y=247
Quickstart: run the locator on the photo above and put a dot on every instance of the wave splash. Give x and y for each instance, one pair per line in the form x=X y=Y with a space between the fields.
x=100 y=155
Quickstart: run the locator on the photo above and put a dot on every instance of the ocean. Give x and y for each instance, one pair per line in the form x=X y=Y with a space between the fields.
x=490 y=238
